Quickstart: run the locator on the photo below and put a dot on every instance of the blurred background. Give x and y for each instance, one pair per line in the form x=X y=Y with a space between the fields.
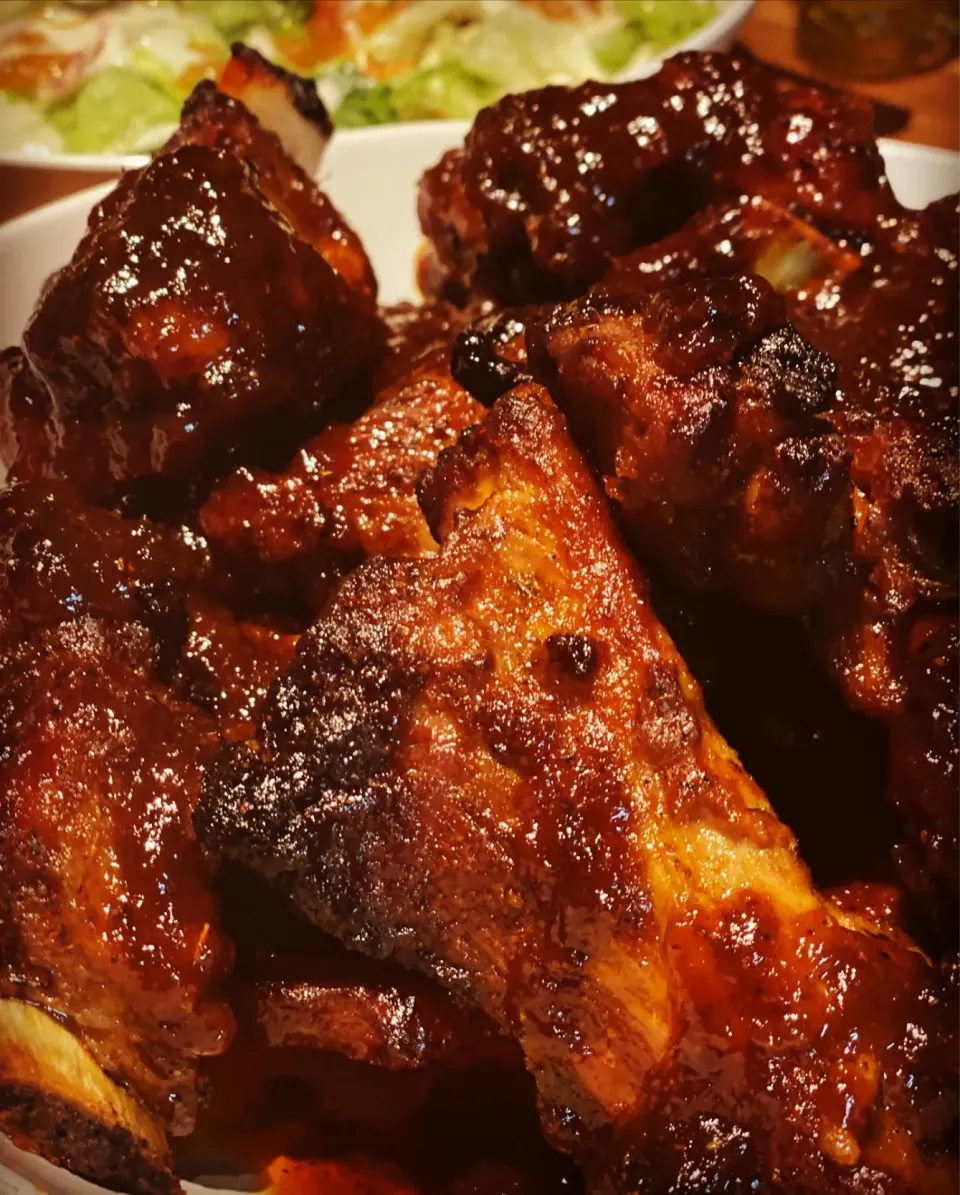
x=902 y=54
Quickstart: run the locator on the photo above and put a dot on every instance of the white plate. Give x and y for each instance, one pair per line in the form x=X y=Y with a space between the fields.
x=718 y=34
x=371 y=174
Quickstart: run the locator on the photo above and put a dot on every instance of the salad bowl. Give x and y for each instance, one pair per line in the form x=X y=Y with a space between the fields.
x=123 y=69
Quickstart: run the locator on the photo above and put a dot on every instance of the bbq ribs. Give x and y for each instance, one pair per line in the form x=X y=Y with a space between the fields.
x=800 y=455
x=412 y=675
x=156 y=352
x=349 y=493
x=108 y=920
x=551 y=184
x=492 y=765
x=121 y=665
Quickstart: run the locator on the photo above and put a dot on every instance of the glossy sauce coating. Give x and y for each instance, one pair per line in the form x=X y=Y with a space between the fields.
x=846 y=515
x=350 y=492
x=488 y=758
x=552 y=183
x=190 y=309
x=414 y=330
x=24 y=411
x=701 y=408
x=109 y=922
x=493 y=765
x=865 y=489
x=220 y=122
x=63 y=559
x=227 y=664
x=441 y=1104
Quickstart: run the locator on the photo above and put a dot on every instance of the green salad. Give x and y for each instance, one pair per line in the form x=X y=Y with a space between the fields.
x=109 y=78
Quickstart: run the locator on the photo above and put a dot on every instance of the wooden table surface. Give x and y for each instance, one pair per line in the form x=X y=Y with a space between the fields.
x=932 y=100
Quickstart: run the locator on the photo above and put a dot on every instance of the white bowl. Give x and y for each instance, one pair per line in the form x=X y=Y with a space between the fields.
x=718 y=34
x=372 y=175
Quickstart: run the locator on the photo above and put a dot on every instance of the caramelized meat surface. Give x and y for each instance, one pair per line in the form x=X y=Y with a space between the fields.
x=441 y=1099
x=923 y=759
x=376 y=1023
x=108 y=919
x=476 y=821
x=492 y=764
x=109 y=923
x=746 y=235
x=56 y=1101
x=350 y=493
x=24 y=414
x=302 y=989
x=700 y=406
x=159 y=344
x=416 y=329
x=551 y=184
x=62 y=559
x=227 y=664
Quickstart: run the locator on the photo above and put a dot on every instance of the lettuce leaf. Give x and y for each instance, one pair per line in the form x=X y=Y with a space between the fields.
x=409 y=34
x=447 y=90
x=450 y=89
x=232 y=19
x=650 y=25
x=118 y=111
x=365 y=106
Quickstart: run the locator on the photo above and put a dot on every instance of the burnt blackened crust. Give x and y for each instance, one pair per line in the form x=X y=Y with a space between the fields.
x=204 y=98
x=346 y=708
x=702 y=408
x=801 y=378
x=104 y=1154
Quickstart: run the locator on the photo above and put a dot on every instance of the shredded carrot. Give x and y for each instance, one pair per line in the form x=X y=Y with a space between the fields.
x=29 y=73
x=384 y=70
x=326 y=36
x=370 y=15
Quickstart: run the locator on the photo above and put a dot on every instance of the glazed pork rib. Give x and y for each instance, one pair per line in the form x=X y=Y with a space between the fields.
x=551 y=184
x=93 y=603
x=492 y=764
x=110 y=930
x=701 y=408
x=217 y=303
x=110 y=946
x=283 y=103
x=224 y=318
x=224 y=116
